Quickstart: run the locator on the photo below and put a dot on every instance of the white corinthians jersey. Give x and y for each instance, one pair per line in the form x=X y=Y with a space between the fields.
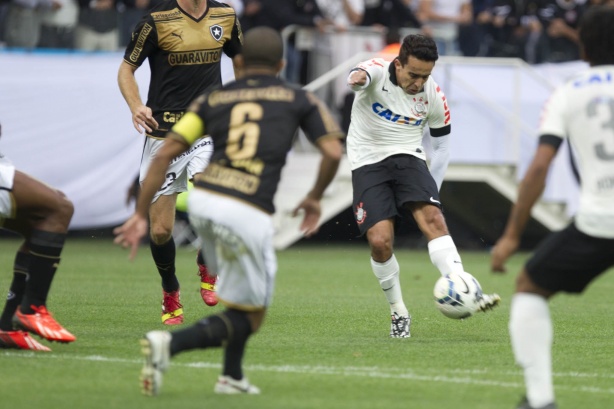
x=583 y=111
x=387 y=121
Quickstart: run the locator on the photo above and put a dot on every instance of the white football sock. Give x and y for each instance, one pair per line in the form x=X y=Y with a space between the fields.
x=530 y=329
x=444 y=255
x=387 y=274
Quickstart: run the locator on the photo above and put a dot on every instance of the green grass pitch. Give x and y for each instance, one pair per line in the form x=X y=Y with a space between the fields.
x=324 y=343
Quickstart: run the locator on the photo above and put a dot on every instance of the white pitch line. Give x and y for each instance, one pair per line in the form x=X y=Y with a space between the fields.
x=371 y=372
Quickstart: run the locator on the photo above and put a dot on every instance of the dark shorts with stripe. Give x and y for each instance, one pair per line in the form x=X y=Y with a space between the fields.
x=382 y=189
x=569 y=260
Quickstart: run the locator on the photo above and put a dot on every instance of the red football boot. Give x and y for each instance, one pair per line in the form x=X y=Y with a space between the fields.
x=43 y=324
x=20 y=340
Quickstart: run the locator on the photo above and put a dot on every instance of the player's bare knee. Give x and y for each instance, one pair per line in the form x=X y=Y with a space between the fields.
x=65 y=209
x=381 y=247
x=55 y=216
x=160 y=234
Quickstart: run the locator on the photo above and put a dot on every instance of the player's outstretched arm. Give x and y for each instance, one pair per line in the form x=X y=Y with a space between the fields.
x=331 y=155
x=530 y=189
x=129 y=234
x=312 y=211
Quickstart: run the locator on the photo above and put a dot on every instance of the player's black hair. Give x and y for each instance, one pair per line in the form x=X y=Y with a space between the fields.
x=597 y=35
x=262 y=46
x=419 y=46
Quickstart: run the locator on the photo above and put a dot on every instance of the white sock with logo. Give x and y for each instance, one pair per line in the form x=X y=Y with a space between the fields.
x=444 y=255
x=387 y=274
x=530 y=329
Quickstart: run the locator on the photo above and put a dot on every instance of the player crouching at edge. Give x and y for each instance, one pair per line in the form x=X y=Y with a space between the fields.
x=41 y=215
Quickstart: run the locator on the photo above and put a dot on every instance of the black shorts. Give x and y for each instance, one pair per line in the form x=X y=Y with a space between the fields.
x=382 y=189
x=569 y=260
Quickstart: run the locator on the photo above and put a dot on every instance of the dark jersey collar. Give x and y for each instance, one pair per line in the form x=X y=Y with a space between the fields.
x=393 y=73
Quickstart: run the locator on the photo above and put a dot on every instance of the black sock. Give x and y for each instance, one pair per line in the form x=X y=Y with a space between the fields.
x=206 y=333
x=235 y=348
x=17 y=290
x=45 y=250
x=164 y=257
x=231 y=327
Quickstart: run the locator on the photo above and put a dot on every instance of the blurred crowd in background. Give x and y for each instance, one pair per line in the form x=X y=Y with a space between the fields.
x=537 y=31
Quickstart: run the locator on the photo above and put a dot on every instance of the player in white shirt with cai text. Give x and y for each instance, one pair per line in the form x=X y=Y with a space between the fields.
x=581 y=112
x=393 y=104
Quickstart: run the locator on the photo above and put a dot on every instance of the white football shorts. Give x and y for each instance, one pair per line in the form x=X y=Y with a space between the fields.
x=238 y=243
x=182 y=168
x=7 y=202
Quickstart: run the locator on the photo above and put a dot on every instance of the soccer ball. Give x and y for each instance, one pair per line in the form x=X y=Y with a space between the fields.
x=457 y=295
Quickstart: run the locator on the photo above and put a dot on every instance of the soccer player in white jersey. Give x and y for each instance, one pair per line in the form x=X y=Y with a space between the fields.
x=581 y=111
x=394 y=102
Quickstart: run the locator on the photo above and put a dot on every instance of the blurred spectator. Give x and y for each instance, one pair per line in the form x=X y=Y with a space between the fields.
x=237 y=5
x=444 y=17
x=278 y=14
x=131 y=12
x=499 y=22
x=393 y=44
x=343 y=13
x=477 y=30
x=58 y=26
x=23 y=21
x=251 y=11
x=340 y=44
x=472 y=39
x=530 y=23
x=4 y=7
x=297 y=52
x=560 y=20
x=389 y=14
x=97 y=29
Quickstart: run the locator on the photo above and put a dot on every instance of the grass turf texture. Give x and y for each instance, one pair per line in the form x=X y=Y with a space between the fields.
x=324 y=343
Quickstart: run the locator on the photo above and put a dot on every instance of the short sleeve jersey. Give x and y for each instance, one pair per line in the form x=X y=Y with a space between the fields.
x=387 y=121
x=184 y=55
x=582 y=111
x=253 y=123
